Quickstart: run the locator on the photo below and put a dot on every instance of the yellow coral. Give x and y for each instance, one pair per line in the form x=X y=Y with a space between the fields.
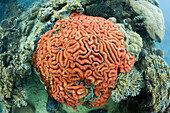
x=157 y=75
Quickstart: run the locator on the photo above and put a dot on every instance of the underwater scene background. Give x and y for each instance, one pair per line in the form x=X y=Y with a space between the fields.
x=164 y=45
x=84 y=56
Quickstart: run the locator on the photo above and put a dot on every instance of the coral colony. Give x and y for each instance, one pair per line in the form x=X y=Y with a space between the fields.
x=107 y=59
x=79 y=60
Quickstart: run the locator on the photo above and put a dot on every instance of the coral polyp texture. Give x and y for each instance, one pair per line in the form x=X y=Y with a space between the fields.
x=127 y=84
x=79 y=60
x=157 y=75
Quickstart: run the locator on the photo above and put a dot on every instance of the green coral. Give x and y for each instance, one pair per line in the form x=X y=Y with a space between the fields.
x=157 y=75
x=127 y=84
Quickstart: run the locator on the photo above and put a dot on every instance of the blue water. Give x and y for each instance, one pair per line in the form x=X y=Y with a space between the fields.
x=165 y=44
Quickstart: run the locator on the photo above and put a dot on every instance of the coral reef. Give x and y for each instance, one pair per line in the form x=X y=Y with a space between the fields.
x=154 y=22
x=21 y=63
x=28 y=27
x=60 y=9
x=138 y=23
x=78 y=54
x=133 y=41
x=127 y=84
x=77 y=61
x=157 y=76
x=19 y=96
x=15 y=64
x=8 y=94
x=6 y=83
x=33 y=13
x=109 y=8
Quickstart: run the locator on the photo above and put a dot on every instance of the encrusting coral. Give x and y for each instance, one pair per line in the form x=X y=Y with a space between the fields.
x=81 y=55
x=60 y=9
x=127 y=84
x=133 y=41
x=157 y=75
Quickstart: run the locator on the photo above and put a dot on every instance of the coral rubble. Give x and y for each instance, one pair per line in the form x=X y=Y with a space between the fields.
x=79 y=59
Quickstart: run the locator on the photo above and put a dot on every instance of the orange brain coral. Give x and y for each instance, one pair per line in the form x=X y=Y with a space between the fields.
x=79 y=59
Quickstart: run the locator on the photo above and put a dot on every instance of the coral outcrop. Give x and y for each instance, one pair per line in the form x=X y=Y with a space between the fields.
x=127 y=84
x=133 y=41
x=60 y=9
x=154 y=23
x=109 y=8
x=9 y=93
x=157 y=75
x=79 y=60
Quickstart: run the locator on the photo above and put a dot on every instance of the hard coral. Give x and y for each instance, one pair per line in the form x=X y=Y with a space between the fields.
x=127 y=84
x=79 y=59
x=157 y=75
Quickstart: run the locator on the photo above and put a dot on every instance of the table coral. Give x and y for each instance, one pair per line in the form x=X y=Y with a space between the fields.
x=79 y=60
x=157 y=75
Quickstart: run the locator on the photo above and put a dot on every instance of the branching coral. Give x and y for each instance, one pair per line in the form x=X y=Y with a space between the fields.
x=6 y=83
x=79 y=59
x=127 y=84
x=9 y=93
x=157 y=75
x=19 y=96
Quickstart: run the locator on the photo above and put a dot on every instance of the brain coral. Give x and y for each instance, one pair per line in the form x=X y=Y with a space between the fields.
x=79 y=59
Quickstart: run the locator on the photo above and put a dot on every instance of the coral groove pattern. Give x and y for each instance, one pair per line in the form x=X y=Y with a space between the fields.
x=79 y=53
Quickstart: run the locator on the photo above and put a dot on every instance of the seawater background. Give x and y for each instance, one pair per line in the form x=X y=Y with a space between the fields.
x=165 y=44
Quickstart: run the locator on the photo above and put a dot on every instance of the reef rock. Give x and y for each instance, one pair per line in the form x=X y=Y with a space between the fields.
x=154 y=18
x=25 y=109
